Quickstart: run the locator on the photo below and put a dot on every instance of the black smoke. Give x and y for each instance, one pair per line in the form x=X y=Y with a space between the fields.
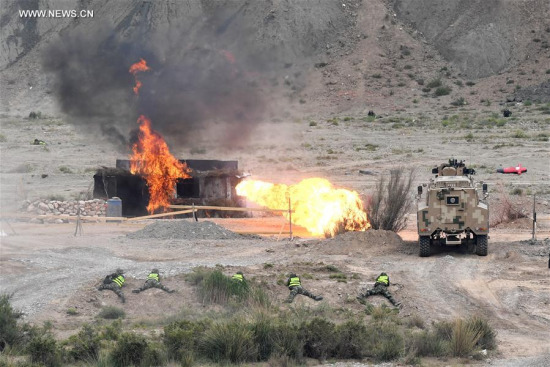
x=199 y=76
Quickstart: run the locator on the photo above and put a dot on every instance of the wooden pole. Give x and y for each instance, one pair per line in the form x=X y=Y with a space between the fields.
x=290 y=216
x=227 y=208
x=161 y=215
x=534 y=235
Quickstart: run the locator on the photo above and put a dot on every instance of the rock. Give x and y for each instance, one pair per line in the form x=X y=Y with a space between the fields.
x=31 y=208
x=43 y=207
x=58 y=221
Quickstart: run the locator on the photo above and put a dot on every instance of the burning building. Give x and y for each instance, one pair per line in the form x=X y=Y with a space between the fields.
x=210 y=182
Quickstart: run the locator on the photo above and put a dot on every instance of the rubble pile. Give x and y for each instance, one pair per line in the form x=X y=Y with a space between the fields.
x=88 y=208
x=184 y=229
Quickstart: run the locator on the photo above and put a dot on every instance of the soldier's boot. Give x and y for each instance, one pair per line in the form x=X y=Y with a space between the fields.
x=122 y=299
x=136 y=291
x=171 y=291
x=318 y=298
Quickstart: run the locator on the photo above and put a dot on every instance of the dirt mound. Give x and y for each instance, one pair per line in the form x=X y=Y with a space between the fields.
x=183 y=229
x=361 y=242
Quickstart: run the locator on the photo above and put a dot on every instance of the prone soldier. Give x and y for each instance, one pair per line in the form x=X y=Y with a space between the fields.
x=153 y=281
x=114 y=282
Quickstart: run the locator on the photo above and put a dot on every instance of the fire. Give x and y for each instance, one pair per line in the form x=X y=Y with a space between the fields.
x=151 y=159
x=139 y=66
x=316 y=204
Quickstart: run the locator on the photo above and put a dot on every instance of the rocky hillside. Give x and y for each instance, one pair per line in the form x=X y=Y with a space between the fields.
x=310 y=55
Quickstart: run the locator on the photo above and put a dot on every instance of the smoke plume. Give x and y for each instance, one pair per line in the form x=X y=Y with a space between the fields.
x=201 y=74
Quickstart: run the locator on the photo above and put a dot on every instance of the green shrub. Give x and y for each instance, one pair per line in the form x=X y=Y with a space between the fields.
x=459 y=102
x=470 y=83
x=111 y=313
x=442 y=91
x=312 y=123
x=112 y=331
x=427 y=344
x=331 y=268
x=229 y=342
x=377 y=76
x=264 y=335
x=219 y=288
x=129 y=350
x=319 y=337
x=71 y=311
x=287 y=341
x=464 y=338
x=85 y=345
x=488 y=335
x=43 y=349
x=65 y=169
x=181 y=338
x=385 y=341
x=434 y=83
x=519 y=134
x=10 y=334
x=340 y=277
x=35 y=115
x=352 y=340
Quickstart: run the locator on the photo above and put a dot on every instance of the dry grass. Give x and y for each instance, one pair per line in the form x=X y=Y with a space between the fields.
x=388 y=206
x=507 y=209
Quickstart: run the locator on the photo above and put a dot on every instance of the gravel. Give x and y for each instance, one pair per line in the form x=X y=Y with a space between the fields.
x=184 y=229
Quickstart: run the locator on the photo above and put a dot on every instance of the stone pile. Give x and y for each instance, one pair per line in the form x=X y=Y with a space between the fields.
x=88 y=208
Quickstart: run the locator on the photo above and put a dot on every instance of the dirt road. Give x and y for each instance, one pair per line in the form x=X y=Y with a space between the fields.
x=49 y=270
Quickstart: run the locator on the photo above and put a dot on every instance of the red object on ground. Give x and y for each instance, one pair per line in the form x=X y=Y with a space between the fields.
x=518 y=170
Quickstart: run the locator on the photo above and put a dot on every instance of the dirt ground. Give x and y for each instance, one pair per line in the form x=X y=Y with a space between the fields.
x=49 y=270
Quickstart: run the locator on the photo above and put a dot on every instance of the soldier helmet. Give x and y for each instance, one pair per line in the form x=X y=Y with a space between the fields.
x=383 y=274
x=119 y=271
x=155 y=270
x=240 y=272
x=292 y=275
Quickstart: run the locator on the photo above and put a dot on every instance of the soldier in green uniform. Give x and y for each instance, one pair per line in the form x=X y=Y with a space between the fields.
x=380 y=287
x=153 y=281
x=238 y=277
x=114 y=282
x=295 y=285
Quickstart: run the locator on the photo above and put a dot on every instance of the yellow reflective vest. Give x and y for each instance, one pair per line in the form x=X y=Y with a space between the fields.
x=153 y=276
x=119 y=280
x=294 y=282
x=238 y=277
x=383 y=279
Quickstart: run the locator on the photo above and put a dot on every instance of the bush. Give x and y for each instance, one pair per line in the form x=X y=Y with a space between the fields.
x=385 y=341
x=459 y=102
x=43 y=349
x=312 y=123
x=434 y=83
x=388 y=206
x=319 y=338
x=464 y=338
x=35 y=115
x=352 y=340
x=10 y=334
x=426 y=344
x=229 y=342
x=112 y=313
x=129 y=350
x=488 y=336
x=442 y=91
x=85 y=345
x=181 y=338
x=506 y=209
x=219 y=288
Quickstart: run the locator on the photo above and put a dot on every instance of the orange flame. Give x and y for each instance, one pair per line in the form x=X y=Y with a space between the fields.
x=139 y=66
x=316 y=204
x=151 y=159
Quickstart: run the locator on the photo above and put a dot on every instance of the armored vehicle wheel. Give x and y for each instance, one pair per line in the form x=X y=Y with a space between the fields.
x=424 y=246
x=481 y=245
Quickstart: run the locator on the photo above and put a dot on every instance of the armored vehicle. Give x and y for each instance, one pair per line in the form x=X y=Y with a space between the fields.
x=452 y=213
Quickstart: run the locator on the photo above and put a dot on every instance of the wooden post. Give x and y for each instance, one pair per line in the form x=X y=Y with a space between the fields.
x=195 y=213
x=290 y=216
x=534 y=235
x=78 y=228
